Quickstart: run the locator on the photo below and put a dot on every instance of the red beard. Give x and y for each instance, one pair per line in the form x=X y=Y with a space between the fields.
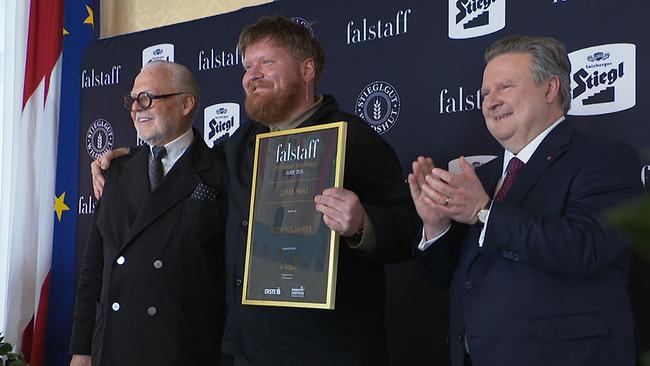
x=274 y=107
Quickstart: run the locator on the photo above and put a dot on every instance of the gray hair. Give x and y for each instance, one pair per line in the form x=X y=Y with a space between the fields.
x=549 y=58
x=182 y=78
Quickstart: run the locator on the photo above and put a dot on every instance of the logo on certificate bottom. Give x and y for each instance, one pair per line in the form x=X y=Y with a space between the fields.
x=273 y=291
x=378 y=104
x=298 y=292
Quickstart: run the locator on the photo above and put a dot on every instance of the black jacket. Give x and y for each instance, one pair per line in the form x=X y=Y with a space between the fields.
x=353 y=333
x=151 y=280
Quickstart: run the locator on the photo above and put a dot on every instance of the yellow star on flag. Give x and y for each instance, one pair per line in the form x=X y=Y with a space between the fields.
x=65 y=31
x=90 y=19
x=60 y=206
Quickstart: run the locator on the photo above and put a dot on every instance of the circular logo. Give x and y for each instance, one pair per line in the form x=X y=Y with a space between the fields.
x=645 y=177
x=304 y=23
x=378 y=104
x=99 y=138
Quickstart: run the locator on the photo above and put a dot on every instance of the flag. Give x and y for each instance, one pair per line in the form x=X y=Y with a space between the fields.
x=80 y=26
x=32 y=180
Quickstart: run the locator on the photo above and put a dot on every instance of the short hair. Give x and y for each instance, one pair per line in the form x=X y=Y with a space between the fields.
x=549 y=58
x=182 y=78
x=285 y=32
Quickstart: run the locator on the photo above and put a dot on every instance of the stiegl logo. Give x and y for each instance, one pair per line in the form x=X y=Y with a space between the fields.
x=219 y=121
x=163 y=51
x=473 y=18
x=603 y=79
x=99 y=138
x=378 y=104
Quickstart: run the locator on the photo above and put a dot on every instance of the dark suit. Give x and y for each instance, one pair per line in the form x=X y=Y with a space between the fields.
x=159 y=257
x=353 y=333
x=549 y=285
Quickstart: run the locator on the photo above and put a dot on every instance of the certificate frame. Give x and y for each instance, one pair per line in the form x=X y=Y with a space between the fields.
x=291 y=255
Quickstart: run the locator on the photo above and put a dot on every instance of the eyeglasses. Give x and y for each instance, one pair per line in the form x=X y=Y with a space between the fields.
x=144 y=99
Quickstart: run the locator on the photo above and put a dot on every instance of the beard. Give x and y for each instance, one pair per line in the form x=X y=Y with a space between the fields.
x=275 y=106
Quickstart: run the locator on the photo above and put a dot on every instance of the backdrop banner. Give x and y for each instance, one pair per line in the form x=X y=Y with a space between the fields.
x=412 y=70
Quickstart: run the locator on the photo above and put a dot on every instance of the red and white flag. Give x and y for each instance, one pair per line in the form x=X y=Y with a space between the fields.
x=33 y=170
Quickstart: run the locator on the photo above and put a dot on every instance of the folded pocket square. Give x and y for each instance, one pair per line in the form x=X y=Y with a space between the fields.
x=204 y=193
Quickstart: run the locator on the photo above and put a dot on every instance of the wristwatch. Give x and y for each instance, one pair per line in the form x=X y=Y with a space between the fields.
x=482 y=214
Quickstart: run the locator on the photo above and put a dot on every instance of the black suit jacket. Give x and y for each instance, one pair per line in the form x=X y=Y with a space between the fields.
x=151 y=280
x=353 y=333
x=549 y=284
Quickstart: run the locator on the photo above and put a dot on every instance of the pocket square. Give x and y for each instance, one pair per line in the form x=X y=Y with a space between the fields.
x=204 y=193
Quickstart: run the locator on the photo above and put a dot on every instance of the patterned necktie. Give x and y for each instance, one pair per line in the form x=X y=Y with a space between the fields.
x=514 y=167
x=155 y=167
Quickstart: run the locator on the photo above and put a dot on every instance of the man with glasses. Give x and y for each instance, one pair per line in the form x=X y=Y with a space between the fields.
x=151 y=280
x=283 y=63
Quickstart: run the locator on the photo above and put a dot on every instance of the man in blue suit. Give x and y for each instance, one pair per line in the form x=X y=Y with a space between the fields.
x=535 y=276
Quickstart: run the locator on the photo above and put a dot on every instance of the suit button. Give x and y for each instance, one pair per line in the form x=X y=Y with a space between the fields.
x=115 y=306
x=515 y=257
x=152 y=310
x=506 y=254
x=158 y=264
x=244 y=223
x=120 y=260
x=469 y=285
x=238 y=282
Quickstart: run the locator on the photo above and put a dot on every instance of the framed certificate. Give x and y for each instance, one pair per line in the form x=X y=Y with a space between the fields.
x=291 y=255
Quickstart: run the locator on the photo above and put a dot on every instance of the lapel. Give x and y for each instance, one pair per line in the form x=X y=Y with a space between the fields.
x=551 y=148
x=179 y=183
x=134 y=182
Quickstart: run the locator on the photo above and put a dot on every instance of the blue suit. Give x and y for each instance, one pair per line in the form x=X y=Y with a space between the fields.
x=549 y=285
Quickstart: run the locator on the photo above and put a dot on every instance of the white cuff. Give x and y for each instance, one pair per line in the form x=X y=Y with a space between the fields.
x=424 y=244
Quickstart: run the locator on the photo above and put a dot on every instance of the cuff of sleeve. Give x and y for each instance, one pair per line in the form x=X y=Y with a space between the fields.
x=368 y=240
x=424 y=244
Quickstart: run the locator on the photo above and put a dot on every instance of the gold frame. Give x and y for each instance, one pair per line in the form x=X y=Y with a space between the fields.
x=333 y=237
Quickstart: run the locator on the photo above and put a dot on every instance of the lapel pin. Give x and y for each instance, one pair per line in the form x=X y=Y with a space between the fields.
x=548 y=157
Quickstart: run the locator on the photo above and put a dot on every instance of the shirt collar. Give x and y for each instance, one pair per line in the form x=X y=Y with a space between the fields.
x=525 y=153
x=287 y=125
x=175 y=149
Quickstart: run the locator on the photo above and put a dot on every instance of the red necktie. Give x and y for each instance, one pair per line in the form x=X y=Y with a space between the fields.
x=514 y=167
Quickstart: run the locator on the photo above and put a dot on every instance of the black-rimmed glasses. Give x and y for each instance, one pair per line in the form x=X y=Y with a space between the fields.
x=144 y=99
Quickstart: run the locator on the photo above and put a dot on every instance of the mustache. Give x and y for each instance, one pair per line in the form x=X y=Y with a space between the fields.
x=258 y=83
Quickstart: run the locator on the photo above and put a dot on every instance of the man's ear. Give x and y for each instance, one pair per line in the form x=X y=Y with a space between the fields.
x=308 y=70
x=189 y=101
x=553 y=89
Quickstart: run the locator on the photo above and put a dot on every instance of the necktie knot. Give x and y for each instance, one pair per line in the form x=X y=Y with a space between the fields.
x=514 y=167
x=159 y=152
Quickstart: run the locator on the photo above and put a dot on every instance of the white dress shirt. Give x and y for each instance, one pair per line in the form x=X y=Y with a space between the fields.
x=524 y=155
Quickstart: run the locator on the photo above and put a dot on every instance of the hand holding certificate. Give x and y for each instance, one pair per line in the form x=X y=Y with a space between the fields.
x=291 y=255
